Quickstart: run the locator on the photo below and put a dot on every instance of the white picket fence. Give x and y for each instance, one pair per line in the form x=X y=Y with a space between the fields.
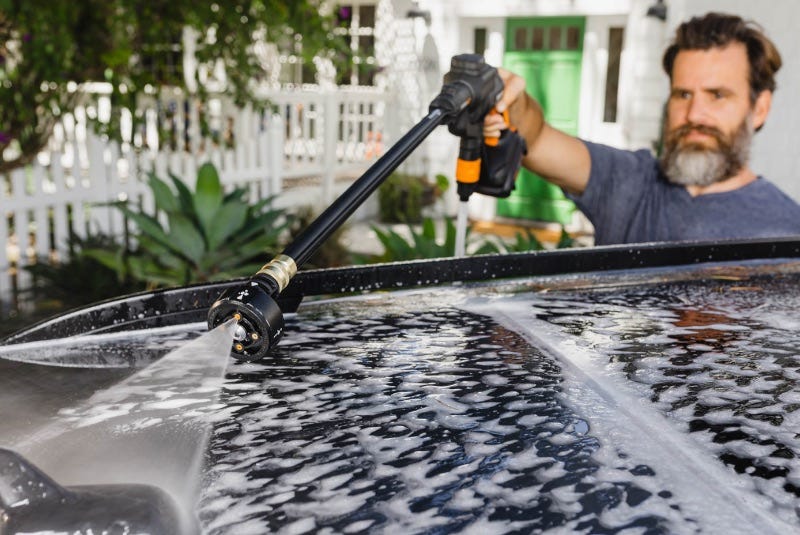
x=299 y=150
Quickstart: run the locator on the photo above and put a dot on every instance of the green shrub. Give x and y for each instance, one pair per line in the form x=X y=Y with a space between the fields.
x=523 y=243
x=198 y=236
x=401 y=197
x=425 y=243
x=79 y=279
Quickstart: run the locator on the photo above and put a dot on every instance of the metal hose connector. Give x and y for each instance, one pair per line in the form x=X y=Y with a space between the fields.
x=281 y=269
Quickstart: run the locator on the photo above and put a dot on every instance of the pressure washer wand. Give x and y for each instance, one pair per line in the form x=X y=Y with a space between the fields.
x=470 y=90
x=253 y=304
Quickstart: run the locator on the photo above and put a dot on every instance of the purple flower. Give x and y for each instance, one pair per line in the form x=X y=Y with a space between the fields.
x=27 y=37
x=4 y=138
x=344 y=13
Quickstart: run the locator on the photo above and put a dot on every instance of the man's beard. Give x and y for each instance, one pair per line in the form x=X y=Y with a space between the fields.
x=696 y=165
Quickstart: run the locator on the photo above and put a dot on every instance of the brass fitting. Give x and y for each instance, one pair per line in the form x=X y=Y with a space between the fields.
x=281 y=269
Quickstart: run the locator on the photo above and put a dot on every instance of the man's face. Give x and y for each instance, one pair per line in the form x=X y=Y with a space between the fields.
x=710 y=118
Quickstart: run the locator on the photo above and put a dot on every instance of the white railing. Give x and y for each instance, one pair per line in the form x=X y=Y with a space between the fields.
x=297 y=149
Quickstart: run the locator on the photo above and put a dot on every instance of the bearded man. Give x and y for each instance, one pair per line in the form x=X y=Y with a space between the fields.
x=722 y=76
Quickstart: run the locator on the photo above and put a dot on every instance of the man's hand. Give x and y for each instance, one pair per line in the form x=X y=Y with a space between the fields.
x=514 y=87
x=555 y=156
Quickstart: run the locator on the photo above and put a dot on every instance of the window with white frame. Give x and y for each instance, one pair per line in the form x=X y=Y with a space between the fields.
x=616 y=37
x=293 y=70
x=356 y=27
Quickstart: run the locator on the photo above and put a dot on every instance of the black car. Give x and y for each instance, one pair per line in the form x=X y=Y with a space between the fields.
x=644 y=389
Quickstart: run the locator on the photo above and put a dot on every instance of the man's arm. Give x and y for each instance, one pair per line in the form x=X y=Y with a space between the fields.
x=555 y=156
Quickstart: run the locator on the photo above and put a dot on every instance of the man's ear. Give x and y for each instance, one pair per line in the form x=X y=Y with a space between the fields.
x=761 y=108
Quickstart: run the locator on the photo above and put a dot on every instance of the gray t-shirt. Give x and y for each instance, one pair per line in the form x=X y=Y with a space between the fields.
x=628 y=200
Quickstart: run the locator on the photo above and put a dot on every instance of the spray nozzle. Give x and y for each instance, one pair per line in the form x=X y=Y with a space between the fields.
x=259 y=319
x=258 y=316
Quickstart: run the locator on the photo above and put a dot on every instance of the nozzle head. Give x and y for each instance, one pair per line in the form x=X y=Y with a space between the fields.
x=259 y=318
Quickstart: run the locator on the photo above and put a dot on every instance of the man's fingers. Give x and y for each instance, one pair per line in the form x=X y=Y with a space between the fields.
x=514 y=87
x=493 y=125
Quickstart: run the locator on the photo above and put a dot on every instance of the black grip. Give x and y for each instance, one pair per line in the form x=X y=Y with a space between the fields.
x=500 y=164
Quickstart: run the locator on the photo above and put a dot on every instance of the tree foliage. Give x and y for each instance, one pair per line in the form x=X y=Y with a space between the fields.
x=48 y=49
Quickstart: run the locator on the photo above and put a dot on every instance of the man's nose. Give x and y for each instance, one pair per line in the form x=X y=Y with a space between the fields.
x=697 y=111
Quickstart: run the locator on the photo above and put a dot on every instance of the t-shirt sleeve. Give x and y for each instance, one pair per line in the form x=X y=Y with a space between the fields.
x=617 y=181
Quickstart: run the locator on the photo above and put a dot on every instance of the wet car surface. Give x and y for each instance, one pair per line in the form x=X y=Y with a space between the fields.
x=650 y=401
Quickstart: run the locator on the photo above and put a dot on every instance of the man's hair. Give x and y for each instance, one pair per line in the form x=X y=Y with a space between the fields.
x=717 y=30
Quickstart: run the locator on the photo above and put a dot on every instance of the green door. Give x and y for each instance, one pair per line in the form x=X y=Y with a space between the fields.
x=547 y=53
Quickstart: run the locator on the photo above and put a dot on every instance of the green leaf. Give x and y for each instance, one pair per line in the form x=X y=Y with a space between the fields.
x=442 y=182
x=396 y=247
x=110 y=259
x=164 y=196
x=241 y=271
x=264 y=225
x=263 y=203
x=488 y=247
x=147 y=269
x=427 y=242
x=237 y=195
x=450 y=237
x=424 y=247
x=207 y=196
x=184 y=194
x=147 y=224
x=186 y=238
x=162 y=255
x=239 y=234
x=263 y=248
x=429 y=228
x=142 y=266
x=565 y=241
x=229 y=220
x=525 y=242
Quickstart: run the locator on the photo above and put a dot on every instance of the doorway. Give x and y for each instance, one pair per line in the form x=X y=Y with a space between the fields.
x=547 y=52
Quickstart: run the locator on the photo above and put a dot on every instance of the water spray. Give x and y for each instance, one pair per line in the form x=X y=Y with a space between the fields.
x=471 y=89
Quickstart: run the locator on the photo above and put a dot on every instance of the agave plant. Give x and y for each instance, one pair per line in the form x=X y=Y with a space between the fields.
x=423 y=243
x=524 y=242
x=197 y=236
